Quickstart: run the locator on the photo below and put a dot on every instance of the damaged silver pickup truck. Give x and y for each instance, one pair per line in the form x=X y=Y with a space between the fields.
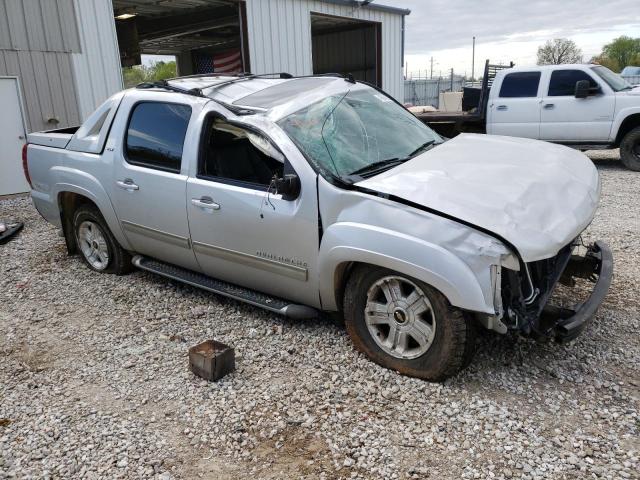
x=309 y=194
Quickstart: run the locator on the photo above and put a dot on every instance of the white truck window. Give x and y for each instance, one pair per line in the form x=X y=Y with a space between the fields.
x=155 y=135
x=520 y=84
x=563 y=82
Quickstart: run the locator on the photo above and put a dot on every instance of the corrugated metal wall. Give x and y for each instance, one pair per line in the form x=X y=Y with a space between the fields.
x=38 y=25
x=46 y=79
x=37 y=39
x=280 y=37
x=65 y=72
x=97 y=69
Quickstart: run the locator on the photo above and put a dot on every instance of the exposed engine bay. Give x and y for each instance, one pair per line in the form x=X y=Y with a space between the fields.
x=526 y=293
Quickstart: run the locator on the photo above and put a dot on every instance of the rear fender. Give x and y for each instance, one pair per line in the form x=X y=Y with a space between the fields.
x=82 y=183
x=352 y=242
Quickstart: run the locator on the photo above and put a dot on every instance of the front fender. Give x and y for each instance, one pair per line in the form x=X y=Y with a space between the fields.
x=82 y=183
x=432 y=264
x=619 y=119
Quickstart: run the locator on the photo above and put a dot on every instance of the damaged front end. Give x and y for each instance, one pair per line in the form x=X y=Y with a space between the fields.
x=525 y=294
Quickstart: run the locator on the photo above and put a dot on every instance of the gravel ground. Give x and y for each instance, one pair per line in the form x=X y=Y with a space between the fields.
x=94 y=381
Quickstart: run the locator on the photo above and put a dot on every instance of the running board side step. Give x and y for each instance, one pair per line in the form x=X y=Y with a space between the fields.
x=252 y=297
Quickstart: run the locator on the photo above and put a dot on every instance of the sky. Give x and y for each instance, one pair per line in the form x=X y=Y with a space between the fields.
x=507 y=30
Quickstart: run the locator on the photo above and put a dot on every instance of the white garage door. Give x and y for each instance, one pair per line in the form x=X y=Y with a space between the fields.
x=12 y=138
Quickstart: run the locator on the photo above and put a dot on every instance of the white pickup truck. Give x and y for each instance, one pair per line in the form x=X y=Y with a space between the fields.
x=310 y=194
x=583 y=106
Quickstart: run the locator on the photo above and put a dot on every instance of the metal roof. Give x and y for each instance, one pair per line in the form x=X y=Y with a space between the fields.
x=372 y=6
x=153 y=8
x=160 y=8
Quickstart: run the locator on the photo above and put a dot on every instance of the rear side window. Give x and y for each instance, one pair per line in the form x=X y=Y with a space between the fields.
x=520 y=84
x=563 y=82
x=155 y=135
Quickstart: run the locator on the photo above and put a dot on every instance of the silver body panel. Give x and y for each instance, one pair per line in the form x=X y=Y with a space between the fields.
x=522 y=188
x=294 y=249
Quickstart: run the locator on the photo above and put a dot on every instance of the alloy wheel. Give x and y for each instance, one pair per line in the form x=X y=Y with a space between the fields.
x=400 y=318
x=93 y=245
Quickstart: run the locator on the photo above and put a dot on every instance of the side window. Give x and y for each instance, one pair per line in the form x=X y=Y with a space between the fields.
x=232 y=153
x=155 y=135
x=520 y=84
x=563 y=82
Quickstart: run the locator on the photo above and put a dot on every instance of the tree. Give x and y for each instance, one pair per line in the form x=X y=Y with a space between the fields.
x=133 y=76
x=162 y=70
x=622 y=51
x=605 y=62
x=140 y=73
x=558 y=51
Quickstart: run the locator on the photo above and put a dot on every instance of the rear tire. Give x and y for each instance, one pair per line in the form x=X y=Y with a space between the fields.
x=435 y=340
x=630 y=150
x=98 y=248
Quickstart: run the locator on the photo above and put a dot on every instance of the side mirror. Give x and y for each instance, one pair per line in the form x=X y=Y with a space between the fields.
x=288 y=186
x=582 y=89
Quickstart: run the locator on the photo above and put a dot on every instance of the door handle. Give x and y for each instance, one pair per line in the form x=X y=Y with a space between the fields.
x=127 y=184
x=549 y=106
x=502 y=107
x=205 y=203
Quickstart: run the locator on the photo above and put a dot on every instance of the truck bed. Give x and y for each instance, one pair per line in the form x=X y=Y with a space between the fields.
x=52 y=138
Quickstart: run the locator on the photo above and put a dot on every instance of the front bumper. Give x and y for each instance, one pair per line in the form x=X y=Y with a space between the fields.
x=565 y=324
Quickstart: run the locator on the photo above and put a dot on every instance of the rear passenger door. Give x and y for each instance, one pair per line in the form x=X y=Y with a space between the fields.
x=566 y=118
x=515 y=111
x=148 y=188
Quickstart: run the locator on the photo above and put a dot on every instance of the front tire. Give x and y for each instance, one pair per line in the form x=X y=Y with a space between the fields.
x=98 y=248
x=630 y=150
x=405 y=325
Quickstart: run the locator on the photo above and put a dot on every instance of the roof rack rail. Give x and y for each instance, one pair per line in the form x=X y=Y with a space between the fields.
x=347 y=76
x=196 y=92
x=213 y=74
x=250 y=76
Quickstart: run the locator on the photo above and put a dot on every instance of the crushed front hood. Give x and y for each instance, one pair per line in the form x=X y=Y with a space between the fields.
x=537 y=195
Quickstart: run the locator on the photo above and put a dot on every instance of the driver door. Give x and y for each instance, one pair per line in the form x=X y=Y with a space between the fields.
x=241 y=230
x=565 y=118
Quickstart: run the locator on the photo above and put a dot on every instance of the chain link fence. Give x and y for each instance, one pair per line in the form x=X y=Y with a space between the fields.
x=426 y=91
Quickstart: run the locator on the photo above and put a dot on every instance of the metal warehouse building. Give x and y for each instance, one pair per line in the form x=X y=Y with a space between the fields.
x=59 y=59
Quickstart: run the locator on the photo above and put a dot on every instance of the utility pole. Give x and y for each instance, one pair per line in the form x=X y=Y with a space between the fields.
x=431 y=74
x=451 y=86
x=473 y=60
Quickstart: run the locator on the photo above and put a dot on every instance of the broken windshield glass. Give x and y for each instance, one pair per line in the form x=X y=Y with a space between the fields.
x=362 y=131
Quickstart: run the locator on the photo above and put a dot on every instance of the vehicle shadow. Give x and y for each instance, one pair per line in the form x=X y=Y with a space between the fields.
x=608 y=164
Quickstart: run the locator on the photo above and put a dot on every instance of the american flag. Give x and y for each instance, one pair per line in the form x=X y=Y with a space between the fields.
x=226 y=62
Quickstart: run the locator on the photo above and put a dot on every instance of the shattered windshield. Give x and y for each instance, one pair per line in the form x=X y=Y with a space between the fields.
x=361 y=132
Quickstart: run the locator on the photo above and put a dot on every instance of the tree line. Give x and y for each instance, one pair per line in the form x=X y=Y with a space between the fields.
x=621 y=52
x=141 y=73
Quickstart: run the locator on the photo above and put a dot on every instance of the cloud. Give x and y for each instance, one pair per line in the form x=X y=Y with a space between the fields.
x=436 y=25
